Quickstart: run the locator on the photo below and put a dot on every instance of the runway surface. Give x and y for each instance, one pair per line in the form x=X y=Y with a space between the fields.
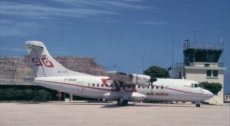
x=108 y=114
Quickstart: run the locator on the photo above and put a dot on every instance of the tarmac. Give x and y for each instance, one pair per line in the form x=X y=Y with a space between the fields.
x=108 y=114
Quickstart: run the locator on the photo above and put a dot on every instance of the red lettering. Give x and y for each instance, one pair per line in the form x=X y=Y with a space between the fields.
x=41 y=62
x=47 y=62
x=36 y=61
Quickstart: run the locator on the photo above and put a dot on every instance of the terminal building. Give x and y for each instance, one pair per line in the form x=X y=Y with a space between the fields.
x=202 y=63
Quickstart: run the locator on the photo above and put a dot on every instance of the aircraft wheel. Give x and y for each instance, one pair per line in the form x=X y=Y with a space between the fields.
x=125 y=102
x=198 y=105
x=122 y=102
x=119 y=102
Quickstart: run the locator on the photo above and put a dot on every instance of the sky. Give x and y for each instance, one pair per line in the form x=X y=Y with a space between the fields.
x=122 y=35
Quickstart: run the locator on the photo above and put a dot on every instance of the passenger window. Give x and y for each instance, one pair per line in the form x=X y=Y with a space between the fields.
x=156 y=87
x=162 y=87
x=97 y=85
x=215 y=73
x=93 y=85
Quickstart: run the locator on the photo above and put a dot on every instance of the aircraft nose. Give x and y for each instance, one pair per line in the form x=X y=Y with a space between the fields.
x=208 y=93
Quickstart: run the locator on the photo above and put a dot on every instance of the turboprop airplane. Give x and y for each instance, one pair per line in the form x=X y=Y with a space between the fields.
x=117 y=86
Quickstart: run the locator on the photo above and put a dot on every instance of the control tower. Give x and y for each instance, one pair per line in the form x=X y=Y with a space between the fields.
x=202 y=63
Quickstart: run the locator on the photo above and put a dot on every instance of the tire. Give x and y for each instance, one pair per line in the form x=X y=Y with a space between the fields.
x=125 y=102
x=198 y=105
x=121 y=102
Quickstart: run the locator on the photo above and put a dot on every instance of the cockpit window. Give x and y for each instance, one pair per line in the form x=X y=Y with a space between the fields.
x=195 y=85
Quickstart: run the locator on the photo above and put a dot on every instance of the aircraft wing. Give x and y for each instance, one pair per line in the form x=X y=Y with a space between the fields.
x=136 y=79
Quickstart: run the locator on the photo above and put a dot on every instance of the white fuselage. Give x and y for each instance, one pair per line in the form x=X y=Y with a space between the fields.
x=119 y=86
x=94 y=87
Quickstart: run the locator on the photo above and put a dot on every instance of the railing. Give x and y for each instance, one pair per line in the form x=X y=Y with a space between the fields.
x=203 y=45
x=181 y=64
x=221 y=64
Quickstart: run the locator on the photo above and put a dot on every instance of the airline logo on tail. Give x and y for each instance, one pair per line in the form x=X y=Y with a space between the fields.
x=42 y=62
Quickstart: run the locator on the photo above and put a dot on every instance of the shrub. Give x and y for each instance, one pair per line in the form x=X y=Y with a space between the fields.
x=26 y=92
x=42 y=95
x=213 y=87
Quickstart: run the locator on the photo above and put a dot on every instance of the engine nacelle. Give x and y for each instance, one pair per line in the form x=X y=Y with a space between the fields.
x=112 y=95
x=141 y=79
x=130 y=96
x=137 y=96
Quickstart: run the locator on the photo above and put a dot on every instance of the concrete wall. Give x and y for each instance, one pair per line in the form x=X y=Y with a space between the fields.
x=200 y=76
x=198 y=72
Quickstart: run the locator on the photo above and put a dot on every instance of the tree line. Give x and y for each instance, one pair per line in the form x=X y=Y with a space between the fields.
x=26 y=93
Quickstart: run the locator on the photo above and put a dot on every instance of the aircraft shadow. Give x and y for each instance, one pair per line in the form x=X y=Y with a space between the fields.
x=156 y=105
x=110 y=104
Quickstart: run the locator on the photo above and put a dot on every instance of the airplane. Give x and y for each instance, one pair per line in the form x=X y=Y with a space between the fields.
x=115 y=86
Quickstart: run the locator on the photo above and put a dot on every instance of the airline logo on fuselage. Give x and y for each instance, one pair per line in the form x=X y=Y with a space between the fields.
x=42 y=62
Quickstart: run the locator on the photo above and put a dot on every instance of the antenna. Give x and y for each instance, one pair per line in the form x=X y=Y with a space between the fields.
x=222 y=44
x=143 y=62
x=194 y=36
x=172 y=68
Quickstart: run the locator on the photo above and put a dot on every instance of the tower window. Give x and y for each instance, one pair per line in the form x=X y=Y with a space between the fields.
x=209 y=73
x=212 y=73
x=215 y=73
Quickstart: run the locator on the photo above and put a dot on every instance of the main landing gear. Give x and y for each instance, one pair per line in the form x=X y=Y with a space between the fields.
x=121 y=102
x=198 y=105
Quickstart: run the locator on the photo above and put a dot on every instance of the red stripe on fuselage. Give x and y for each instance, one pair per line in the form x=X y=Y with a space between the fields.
x=180 y=90
x=184 y=91
x=116 y=90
